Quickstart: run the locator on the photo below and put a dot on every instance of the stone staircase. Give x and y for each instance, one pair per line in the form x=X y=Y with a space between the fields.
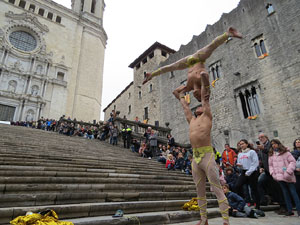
x=86 y=181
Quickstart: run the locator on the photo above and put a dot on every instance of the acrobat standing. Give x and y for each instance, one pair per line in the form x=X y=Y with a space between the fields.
x=203 y=164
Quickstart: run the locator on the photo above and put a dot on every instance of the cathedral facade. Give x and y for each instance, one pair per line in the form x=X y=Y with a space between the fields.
x=51 y=59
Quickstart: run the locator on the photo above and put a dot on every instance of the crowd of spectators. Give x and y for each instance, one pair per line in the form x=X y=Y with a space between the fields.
x=261 y=174
x=256 y=175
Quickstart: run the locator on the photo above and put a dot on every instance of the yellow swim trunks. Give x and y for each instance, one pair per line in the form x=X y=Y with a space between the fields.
x=199 y=153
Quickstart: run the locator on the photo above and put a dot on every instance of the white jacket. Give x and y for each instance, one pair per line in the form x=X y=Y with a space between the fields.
x=248 y=160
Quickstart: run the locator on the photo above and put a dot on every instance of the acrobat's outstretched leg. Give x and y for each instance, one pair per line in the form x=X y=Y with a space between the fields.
x=206 y=52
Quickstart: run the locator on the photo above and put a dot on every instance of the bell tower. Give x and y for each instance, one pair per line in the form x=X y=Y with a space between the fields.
x=89 y=8
x=91 y=39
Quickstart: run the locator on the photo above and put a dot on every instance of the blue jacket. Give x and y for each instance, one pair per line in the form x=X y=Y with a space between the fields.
x=235 y=201
x=231 y=179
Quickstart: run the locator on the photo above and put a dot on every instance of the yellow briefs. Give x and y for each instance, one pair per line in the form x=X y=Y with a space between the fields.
x=192 y=61
x=199 y=153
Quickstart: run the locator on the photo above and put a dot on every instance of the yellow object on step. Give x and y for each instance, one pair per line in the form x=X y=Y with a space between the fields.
x=50 y=218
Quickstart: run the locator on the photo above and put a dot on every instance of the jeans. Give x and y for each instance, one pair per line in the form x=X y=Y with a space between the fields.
x=115 y=140
x=285 y=189
x=266 y=183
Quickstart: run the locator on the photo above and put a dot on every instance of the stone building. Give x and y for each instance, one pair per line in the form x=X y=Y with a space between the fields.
x=142 y=100
x=258 y=86
x=51 y=59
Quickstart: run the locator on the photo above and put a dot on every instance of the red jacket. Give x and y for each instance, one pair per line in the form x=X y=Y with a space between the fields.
x=170 y=162
x=229 y=156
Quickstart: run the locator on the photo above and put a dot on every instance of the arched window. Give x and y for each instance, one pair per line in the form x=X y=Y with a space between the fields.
x=249 y=102
x=93 y=7
x=12 y=86
x=262 y=47
x=217 y=71
x=82 y=5
x=243 y=103
x=255 y=101
x=140 y=94
x=213 y=73
x=257 y=50
x=60 y=76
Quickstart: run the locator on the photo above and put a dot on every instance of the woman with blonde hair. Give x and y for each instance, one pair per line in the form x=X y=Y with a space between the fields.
x=282 y=165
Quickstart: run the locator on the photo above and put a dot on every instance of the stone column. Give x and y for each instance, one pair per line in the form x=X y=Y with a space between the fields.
x=99 y=8
x=5 y=57
x=17 y=2
x=87 y=6
x=44 y=88
x=23 y=102
x=27 y=91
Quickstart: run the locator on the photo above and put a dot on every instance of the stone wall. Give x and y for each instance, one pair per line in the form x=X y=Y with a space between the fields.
x=275 y=77
x=121 y=103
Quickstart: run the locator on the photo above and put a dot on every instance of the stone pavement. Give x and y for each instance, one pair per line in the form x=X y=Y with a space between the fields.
x=271 y=218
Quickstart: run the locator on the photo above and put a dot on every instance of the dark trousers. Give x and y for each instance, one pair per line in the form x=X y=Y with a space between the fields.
x=128 y=141
x=266 y=184
x=252 y=181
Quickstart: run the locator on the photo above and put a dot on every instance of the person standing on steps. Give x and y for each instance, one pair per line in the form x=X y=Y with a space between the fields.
x=203 y=163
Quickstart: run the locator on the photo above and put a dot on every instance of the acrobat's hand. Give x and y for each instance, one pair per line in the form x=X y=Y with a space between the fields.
x=148 y=76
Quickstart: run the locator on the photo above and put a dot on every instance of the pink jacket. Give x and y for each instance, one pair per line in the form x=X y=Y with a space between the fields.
x=282 y=167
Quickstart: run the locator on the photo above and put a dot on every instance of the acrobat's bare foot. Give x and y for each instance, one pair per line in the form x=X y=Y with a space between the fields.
x=234 y=33
x=178 y=91
x=200 y=222
x=148 y=76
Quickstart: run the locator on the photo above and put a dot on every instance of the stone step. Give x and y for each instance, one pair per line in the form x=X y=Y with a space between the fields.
x=151 y=218
x=33 y=188
x=40 y=173
x=87 y=180
x=80 y=178
x=81 y=210
x=38 y=199
x=270 y=219
x=77 y=163
x=117 y=172
x=70 y=167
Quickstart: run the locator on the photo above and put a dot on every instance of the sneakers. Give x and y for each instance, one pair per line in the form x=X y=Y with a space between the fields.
x=260 y=213
x=289 y=214
x=119 y=213
x=281 y=211
x=253 y=214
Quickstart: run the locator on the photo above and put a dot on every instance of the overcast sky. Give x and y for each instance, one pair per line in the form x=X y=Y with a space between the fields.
x=133 y=26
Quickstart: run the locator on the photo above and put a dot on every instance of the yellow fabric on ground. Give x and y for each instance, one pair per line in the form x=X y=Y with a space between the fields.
x=192 y=205
x=49 y=218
